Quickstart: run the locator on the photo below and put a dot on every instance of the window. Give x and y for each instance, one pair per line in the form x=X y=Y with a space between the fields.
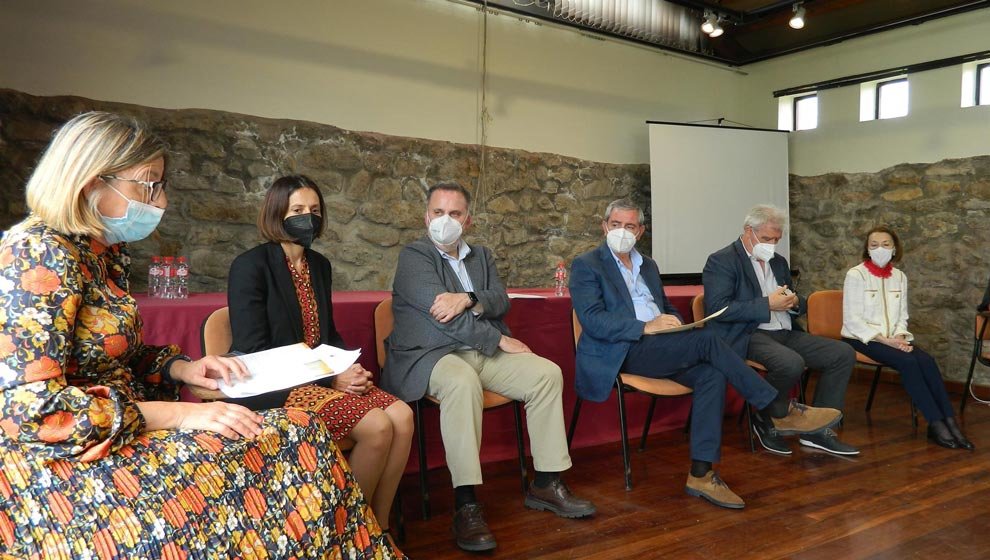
x=797 y=112
x=983 y=84
x=892 y=99
x=806 y=112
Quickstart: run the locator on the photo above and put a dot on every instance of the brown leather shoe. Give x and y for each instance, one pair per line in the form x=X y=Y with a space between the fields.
x=470 y=530
x=557 y=498
x=711 y=488
x=804 y=419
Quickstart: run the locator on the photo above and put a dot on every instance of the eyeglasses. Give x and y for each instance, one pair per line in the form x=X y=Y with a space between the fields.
x=155 y=187
x=628 y=227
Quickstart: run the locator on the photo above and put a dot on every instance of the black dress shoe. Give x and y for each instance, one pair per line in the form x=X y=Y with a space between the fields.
x=945 y=440
x=557 y=498
x=767 y=435
x=956 y=432
x=470 y=530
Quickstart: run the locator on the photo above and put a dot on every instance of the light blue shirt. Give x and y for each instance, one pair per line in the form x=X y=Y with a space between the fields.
x=642 y=298
x=457 y=265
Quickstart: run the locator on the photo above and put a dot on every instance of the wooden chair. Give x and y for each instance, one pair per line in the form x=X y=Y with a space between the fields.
x=698 y=312
x=825 y=319
x=627 y=382
x=384 y=323
x=980 y=333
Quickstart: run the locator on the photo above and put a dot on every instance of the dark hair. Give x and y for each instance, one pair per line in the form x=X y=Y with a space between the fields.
x=898 y=250
x=276 y=204
x=449 y=186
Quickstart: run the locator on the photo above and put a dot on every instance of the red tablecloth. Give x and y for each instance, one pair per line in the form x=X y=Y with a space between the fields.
x=542 y=323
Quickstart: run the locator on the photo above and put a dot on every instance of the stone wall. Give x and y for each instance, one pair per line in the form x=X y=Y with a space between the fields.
x=533 y=210
x=940 y=211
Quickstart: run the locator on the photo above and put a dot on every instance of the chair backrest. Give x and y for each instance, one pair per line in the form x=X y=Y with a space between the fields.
x=215 y=336
x=384 y=323
x=698 y=307
x=577 y=326
x=825 y=314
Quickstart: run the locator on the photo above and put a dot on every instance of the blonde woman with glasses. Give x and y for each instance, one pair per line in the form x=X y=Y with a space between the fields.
x=96 y=456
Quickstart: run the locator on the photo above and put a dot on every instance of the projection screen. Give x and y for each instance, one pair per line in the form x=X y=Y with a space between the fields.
x=703 y=181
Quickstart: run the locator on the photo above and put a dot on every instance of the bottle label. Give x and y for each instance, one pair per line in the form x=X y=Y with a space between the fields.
x=182 y=273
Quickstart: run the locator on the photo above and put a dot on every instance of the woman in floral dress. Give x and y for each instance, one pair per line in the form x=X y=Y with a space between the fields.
x=97 y=460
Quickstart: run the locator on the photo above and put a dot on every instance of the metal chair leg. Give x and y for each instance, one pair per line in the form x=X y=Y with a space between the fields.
x=749 y=427
x=574 y=420
x=625 y=436
x=517 y=411
x=873 y=388
x=646 y=426
x=687 y=421
x=969 y=378
x=400 y=518
x=424 y=491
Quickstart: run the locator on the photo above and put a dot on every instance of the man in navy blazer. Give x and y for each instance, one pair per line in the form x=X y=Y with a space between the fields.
x=619 y=299
x=755 y=283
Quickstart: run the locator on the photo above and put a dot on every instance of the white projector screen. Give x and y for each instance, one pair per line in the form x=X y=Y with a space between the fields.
x=704 y=179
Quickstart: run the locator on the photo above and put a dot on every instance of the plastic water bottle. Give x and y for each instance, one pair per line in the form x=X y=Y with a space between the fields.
x=154 y=276
x=182 y=279
x=166 y=286
x=560 y=279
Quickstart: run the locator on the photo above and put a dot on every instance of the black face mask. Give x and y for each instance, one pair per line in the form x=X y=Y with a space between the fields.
x=303 y=228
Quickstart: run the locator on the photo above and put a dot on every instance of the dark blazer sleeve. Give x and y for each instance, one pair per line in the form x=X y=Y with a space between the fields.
x=588 y=297
x=247 y=297
x=493 y=298
x=721 y=276
x=985 y=304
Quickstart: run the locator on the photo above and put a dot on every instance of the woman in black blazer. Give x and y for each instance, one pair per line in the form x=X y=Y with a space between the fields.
x=279 y=294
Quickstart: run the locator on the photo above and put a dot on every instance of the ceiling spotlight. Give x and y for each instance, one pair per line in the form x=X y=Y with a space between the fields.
x=797 y=20
x=711 y=21
x=717 y=31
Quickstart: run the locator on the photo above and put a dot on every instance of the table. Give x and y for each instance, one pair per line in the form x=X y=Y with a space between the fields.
x=543 y=323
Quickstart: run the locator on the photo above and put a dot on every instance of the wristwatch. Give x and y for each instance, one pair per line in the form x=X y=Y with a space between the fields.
x=474 y=300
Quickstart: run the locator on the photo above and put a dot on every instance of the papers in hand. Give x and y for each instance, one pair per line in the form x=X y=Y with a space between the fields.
x=288 y=366
x=689 y=325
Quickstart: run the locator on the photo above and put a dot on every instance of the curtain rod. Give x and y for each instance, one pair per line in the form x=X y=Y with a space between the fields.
x=881 y=74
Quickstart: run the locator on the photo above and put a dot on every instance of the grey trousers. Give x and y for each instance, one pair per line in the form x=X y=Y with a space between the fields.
x=457 y=382
x=785 y=354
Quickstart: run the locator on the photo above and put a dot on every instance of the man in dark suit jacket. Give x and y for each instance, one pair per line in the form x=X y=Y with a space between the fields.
x=449 y=342
x=755 y=283
x=619 y=300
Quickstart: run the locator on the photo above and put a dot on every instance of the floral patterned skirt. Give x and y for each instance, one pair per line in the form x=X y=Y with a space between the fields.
x=192 y=494
x=340 y=411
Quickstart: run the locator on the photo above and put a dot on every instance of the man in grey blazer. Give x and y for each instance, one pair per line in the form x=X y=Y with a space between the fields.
x=449 y=342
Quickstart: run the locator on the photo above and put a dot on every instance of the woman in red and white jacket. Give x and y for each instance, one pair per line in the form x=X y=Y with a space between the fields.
x=875 y=321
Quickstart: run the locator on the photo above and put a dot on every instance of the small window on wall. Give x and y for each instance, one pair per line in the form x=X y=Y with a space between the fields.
x=892 y=99
x=983 y=84
x=797 y=112
x=975 y=83
x=887 y=99
x=806 y=112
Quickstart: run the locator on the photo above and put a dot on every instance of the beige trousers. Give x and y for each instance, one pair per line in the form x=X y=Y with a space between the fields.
x=457 y=381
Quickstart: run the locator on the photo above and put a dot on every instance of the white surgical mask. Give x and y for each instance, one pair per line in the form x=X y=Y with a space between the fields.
x=445 y=230
x=763 y=251
x=620 y=240
x=138 y=221
x=881 y=256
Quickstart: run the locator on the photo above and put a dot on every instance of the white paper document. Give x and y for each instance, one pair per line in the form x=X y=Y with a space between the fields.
x=288 y=366
x=516 y=295
x=690 y=326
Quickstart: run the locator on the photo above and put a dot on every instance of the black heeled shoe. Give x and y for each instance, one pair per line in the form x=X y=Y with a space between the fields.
x=943 y=439
x=957 y=433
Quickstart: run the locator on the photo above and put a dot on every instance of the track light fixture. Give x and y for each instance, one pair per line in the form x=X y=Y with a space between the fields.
x=711 y=20
x=711 y=25
x=797 y=20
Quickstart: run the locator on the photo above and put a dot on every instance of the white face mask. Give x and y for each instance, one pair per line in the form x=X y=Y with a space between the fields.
x=620 y=240
x=881 y=256
x=763 y=251
x=445 y=230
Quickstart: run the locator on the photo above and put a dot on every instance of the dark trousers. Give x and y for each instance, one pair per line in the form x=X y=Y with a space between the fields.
x=701 y=360
x=785 y=354
x=920 y=374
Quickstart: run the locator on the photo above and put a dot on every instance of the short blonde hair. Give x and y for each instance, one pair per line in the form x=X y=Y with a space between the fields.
x=89 y=145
